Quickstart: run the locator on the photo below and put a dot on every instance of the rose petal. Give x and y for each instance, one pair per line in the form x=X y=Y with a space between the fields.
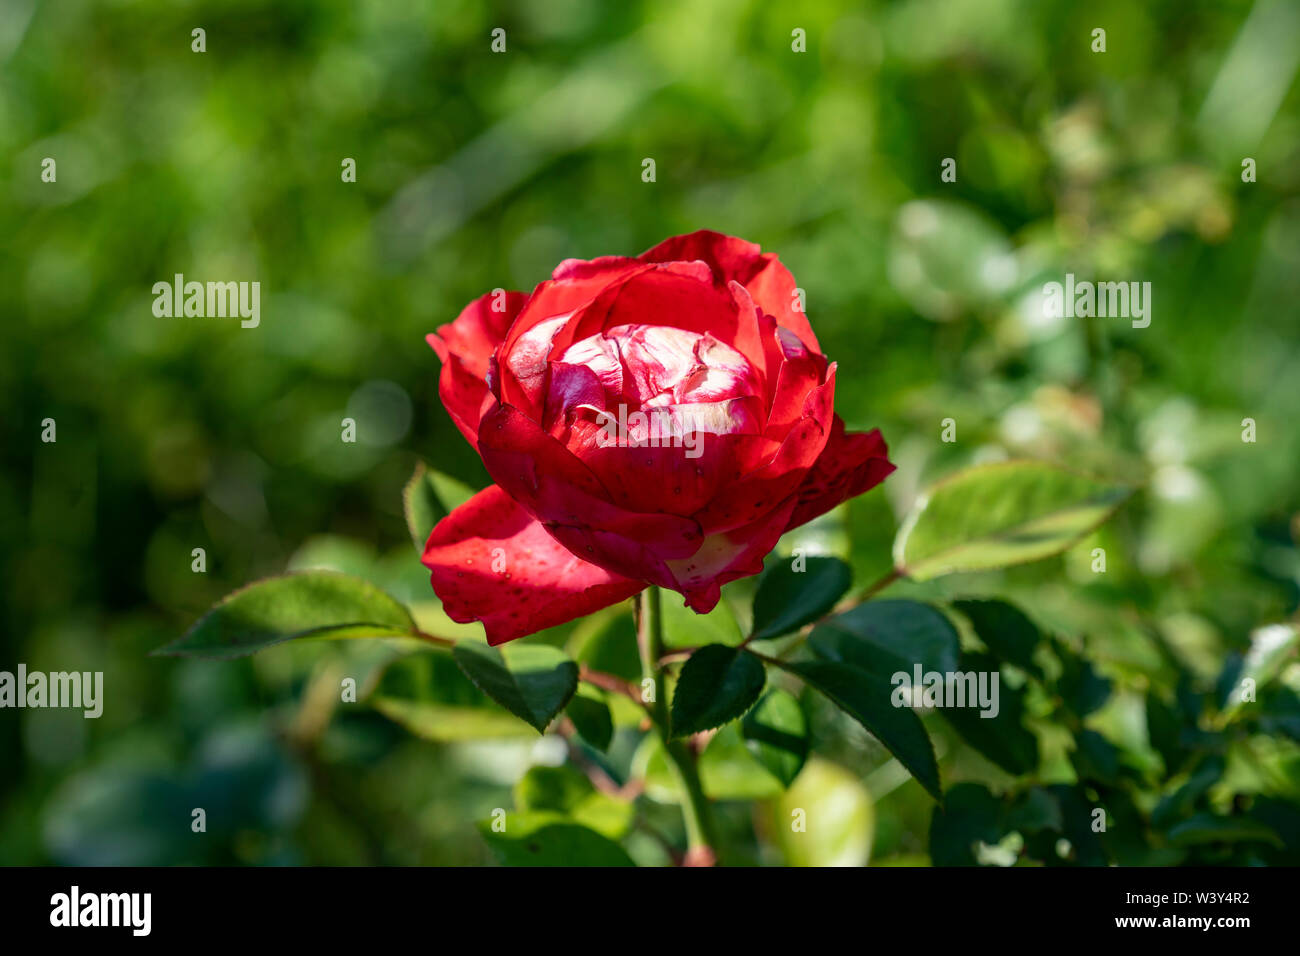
x=762 y=274
x=489 y=561
x=676 y=474
x=761 y=486
x=553 y=485
x=726 y=556
x=801 y=372
x=849 y=465
x=575 y=284
x=465 y=346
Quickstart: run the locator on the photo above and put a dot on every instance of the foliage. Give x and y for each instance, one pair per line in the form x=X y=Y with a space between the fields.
x=1123 y=690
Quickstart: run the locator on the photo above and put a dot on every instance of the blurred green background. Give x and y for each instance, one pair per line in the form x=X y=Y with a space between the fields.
x=477 y=170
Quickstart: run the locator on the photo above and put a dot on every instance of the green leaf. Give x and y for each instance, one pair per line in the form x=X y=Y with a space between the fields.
x=1095 y=758
x=776 y=733
x=991 y=516
x=866 y=698
x=1181 y=802
x=447 y=724
x=1202 y=828
x=1005 y=630
x=1034 y=811
x=545 y=838
x=532 y=681
x=307 y=604
x=592 y=719
x=1271 y=648
x=787 y=599
x=429 y=496
x=566 y=791
x=885 y=637
x=970 y=815
x=427 y=694
x=717 y=684
x=1002 y=738
x=837 y=815
x=684 y=628
x=1079 y=685
x=728 y=770
x=610 y=647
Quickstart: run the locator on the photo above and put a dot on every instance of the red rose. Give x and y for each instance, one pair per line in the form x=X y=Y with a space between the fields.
x=657 y=420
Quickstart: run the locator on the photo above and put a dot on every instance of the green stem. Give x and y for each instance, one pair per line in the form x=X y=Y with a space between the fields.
x=695 y=806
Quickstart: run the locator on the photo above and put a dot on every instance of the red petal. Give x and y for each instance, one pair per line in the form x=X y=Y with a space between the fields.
x=762 y=488
x=551 y=483
x=801 y=372
x=465 y=347
x=575 y=284
x=849 y=465
x=770 y=283
x=478 y=330
x=726 y=556
x=491 y=562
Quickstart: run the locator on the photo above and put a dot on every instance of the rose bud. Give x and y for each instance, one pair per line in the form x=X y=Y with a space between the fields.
x=658 y=420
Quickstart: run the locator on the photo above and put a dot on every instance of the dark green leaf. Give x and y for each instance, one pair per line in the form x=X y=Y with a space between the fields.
x=1163 y=730
x=1078 y=814
x=776 y=732
x=1002 y=737
x=969 y=815
x=1034 y=810
x=1186 y=797
x=788 y=599
x=717 y=685
x=1095 y=758
x=1205 y=828
x=885 y=637
x=991 y=516
x=867 y=698
x=592 y=719
x=532 y=681
x=1005 y=631
x=1081 y=688
x=306 y=604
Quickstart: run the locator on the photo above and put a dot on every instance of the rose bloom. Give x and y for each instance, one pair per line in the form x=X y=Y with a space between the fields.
x=737 y=441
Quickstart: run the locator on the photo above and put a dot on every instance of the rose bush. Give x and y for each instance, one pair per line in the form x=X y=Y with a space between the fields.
x=657 y=420
x=657 y=423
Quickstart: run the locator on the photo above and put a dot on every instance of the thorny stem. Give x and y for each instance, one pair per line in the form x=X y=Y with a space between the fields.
x=695 y=806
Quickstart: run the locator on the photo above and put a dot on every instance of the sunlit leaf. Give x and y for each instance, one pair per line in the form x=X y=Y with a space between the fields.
x=532 y=681
x=991 y=516
x=305 y=604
